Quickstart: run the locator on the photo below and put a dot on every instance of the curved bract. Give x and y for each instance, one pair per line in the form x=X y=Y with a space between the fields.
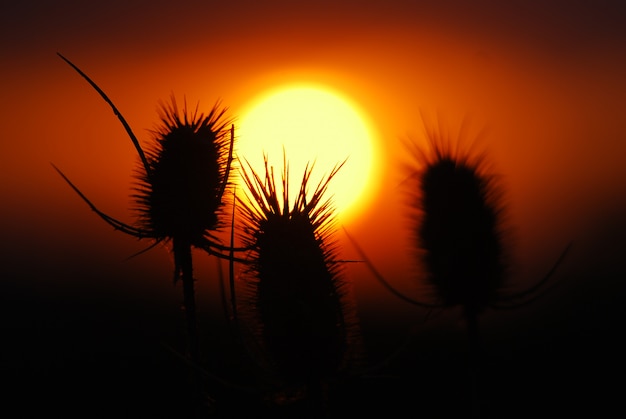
x=182 y=178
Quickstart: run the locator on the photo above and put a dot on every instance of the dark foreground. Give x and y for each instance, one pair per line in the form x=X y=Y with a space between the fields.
x=107 y=356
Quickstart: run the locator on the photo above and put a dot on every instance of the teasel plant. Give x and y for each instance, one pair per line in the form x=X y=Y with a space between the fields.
x=180 y=191
x=295 y=301
x=460 y=233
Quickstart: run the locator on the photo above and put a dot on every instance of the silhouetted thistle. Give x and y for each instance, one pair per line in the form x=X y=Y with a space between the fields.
x=181 y=184
x=459 y=232
x=297 y=300
x=458 y=228
x=181 y=198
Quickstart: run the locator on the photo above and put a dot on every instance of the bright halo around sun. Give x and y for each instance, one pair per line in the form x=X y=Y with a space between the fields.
x=311 y=125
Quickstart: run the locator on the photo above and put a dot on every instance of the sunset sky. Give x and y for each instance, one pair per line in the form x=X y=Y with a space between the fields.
x=545 y=78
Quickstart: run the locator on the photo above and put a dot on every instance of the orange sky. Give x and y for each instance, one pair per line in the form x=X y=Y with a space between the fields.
x=547 y=80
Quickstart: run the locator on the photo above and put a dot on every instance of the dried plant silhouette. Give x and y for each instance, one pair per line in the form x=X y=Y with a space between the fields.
x=296 y=302
x=456 y=207
x=180 y=190
x=459 y=231
x=460 y=227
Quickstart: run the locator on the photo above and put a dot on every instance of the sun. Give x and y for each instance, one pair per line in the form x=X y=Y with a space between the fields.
x=311 y=124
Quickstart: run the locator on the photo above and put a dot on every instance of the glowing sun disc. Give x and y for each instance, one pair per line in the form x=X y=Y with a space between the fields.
x=310 y=125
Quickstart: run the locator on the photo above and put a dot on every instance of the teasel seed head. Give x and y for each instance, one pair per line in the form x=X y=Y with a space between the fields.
x=458 y=223
x=179 y=195
x=297 y=300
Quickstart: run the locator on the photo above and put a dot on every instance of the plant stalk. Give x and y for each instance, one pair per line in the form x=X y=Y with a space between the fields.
x=184 y=267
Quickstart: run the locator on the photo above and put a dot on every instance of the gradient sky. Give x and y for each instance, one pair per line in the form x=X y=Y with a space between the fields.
x=547 y=78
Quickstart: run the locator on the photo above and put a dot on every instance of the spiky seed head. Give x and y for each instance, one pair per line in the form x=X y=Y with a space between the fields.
x=297 y=298
x=181 y=194
x=458 y=230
